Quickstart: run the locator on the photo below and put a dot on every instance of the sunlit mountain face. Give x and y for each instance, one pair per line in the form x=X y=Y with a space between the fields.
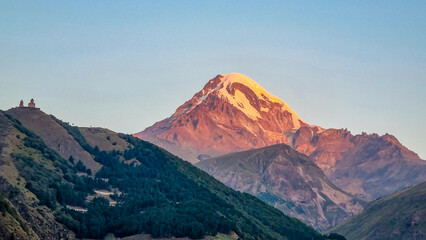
x=231 y=113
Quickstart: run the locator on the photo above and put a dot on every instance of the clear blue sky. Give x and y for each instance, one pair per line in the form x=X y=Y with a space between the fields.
x=124 y=65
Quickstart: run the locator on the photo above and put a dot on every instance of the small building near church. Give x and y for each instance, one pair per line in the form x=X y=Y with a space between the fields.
x=31 y=104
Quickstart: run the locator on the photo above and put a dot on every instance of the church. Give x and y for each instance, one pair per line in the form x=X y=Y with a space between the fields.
x=31 y=104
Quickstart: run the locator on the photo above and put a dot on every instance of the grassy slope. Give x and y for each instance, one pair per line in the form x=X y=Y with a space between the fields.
x=12 y=225
x=53 y=135
x=399 y=216
x=105 y=139
x=39 y=220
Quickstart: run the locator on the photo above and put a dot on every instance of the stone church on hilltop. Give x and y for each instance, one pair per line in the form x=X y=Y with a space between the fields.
x=31 y=104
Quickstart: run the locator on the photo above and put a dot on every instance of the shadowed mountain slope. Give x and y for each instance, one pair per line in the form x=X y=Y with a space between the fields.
x=287 y=180
x=401 y=215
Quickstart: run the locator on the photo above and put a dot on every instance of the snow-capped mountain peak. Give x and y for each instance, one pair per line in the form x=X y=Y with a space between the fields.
x=232 y=112
x=244 y=94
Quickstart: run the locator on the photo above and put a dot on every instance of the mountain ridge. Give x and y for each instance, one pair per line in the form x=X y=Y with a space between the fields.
x=368 y=165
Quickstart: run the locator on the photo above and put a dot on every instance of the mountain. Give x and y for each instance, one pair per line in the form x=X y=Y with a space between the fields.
x=367 y=165
x=401 y=215
x=233 y=113
x=138 y=189
x=287 y=180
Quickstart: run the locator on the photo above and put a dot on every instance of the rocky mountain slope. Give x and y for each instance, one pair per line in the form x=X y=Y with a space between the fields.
x=233 y=113
x=369 y=166
x=287 y=180
x=401 y=215
x=44 y=196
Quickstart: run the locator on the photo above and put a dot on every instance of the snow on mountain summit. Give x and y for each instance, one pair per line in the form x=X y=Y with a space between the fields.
x=231 y=78
x=243 y=93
